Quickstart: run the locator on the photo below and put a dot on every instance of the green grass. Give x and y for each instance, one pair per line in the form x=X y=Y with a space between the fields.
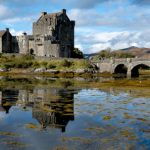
x=13 y=61
x=28 y=61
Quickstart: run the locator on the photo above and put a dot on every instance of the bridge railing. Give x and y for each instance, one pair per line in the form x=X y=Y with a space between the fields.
x=118 y=60
x=139 y=59
x=109 y=60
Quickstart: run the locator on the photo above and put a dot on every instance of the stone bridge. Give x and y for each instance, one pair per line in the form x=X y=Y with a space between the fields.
x=128 y=66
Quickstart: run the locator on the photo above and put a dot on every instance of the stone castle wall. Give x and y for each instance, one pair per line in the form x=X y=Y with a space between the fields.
x=53 y=36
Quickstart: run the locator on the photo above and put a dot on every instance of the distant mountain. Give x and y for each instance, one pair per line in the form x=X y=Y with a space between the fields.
x=89 y=55
x=136 y=51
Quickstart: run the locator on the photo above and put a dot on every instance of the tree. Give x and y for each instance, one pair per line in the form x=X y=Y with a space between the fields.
x=76 y=53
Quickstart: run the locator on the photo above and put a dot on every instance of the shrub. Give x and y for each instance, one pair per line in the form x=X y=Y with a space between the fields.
x=1 y=55
x=13 y=56
x=27 y=57
x=35 y=64
x=21 y=64
x=44 y=64
x=8 y=65
x=76 y=53
x=79 y=64
x=66 y=63
x=51 y=66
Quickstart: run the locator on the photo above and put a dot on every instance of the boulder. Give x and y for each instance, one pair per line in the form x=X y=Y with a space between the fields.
x=3 y=69
x=40 y=70
x=52 y=71
x=80 y=71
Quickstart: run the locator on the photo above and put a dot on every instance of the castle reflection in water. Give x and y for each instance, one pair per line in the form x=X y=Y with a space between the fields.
x=53 y=107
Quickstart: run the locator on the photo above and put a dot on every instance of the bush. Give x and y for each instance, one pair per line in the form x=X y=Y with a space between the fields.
x=43 y=64
x=9 y=65
x=27 y=57
x=35 y=64
x=66 y=63
x=21 y=64
x=51 y=66
x=1 y=55
x=80 y=64
x=76 y=53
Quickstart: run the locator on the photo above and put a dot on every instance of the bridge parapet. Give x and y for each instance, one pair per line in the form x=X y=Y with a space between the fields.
x=111 y=60
x=119 y=60
x=101 y=61
x=139 y=59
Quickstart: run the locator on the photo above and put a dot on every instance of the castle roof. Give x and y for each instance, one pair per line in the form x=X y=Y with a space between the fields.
x=2 y=32
x=45 y=15
x=51 y=15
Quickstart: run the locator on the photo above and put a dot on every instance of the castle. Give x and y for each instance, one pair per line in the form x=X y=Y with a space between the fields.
x=53 y=36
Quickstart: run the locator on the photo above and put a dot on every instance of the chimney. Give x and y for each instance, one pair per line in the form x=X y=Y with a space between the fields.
x=63 y=11
x=7 y=29
x=24 y=33
x=43 y=13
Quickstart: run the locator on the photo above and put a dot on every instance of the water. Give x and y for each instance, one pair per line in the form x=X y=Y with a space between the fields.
x=67 y=114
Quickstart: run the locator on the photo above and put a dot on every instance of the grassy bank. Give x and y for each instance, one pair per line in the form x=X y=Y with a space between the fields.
x=26 y=64
x=28 y=61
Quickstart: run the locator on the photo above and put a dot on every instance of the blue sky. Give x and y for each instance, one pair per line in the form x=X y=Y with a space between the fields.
x=99 y=23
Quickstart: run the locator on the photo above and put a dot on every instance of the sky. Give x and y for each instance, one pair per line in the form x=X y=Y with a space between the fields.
x=100 y=24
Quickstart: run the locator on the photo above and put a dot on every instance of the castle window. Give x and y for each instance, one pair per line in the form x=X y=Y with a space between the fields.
x=31 y=51
x=39 y=44
x=50 y=21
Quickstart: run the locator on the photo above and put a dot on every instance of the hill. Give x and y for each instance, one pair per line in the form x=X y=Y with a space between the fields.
x=136 y=51
x=133 y=51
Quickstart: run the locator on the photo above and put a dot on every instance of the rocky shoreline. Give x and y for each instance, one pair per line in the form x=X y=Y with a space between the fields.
x=50 y=72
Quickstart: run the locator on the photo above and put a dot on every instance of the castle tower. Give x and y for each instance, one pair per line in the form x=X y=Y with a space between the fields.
x=24 y=44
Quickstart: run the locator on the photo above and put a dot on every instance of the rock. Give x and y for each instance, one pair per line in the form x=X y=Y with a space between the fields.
x=85 y=70
x=80 y=71
x=52 y=71
x=66 y=71
x=40 y=70
x=3 y=69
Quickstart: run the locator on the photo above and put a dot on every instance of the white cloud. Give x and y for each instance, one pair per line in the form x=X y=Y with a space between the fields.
x=97 y=47
x=4 y=12
x=14 y=32
x=104 y=36
x=78 y=46
x=17 y=33
x=97 y=41
x=121 y=17
x=17 y=19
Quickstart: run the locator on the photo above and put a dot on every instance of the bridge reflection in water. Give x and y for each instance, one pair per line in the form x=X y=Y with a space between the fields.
x=50 y=107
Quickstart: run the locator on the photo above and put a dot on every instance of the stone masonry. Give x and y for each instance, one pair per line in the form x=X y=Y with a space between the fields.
x=53 y=36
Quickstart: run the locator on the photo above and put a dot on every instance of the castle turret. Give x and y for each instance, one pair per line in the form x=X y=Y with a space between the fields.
x=24 y=45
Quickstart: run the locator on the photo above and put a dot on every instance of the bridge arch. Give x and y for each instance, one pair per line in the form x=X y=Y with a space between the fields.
x=135 y=69
x=121 y=69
